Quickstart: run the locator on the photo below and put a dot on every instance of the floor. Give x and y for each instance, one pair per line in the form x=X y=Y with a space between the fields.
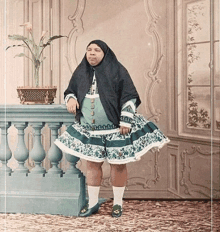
x=138 y=215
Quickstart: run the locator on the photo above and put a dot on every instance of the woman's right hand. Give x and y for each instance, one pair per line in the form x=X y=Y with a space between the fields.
x=72 y=105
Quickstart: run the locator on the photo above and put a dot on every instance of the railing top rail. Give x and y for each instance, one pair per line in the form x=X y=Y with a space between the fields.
x=35 y=113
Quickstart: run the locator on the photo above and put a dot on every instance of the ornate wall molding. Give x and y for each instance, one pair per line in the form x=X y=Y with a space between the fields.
x=173 y=168
x=194 y=139
x=77 y=30
x=191 y=188
x=152 y=75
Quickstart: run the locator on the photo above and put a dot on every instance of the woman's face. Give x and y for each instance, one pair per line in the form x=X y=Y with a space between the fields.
x=94 y=54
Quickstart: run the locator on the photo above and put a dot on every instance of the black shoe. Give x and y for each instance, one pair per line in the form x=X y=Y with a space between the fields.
x=85 y=211
x=117 y=211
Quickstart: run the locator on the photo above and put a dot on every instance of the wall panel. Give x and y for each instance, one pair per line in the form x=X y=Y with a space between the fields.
x=173 y=168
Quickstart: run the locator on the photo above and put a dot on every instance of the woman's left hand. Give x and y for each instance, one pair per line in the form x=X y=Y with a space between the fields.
x=124 y=130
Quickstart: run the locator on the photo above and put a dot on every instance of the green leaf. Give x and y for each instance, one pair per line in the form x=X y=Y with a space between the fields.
x=17 y=37
x=20 y=37
x=52 y=38
x=43 y=59
x=19 y=55
x=20 y=45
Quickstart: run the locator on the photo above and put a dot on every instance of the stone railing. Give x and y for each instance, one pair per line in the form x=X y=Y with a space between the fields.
x=37 y=190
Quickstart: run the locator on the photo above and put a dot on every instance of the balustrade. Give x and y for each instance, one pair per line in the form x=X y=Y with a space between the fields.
x=38 y=181
x=18 y=118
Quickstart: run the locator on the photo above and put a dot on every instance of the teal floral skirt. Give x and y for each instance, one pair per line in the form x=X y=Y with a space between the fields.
x=110 y=145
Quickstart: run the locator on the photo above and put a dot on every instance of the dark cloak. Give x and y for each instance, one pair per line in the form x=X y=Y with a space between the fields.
x=115 y=85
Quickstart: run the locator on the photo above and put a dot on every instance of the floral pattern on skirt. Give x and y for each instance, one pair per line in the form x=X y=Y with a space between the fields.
x=115 y=147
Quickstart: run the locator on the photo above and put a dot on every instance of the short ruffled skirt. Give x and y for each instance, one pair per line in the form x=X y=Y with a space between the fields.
x=110 y=145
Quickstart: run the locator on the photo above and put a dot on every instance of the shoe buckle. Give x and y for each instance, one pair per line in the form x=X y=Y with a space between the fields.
x=84 y=210
x=116 y=211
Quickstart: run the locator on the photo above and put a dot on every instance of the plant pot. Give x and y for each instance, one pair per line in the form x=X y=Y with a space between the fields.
x=37 y=95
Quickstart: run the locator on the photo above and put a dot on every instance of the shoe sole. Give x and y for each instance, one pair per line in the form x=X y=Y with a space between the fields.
x=116 y=216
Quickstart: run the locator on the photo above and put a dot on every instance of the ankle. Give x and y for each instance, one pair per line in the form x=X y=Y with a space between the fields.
x=93 y=192
x=118 y=195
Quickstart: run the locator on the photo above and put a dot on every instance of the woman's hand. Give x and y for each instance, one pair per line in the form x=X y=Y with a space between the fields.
x=72 y=105
x=124 y=130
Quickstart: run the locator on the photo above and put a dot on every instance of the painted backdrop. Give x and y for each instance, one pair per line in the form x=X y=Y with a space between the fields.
x=148 y=38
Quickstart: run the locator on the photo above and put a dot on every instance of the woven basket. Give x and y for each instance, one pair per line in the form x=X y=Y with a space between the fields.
x=37 y=95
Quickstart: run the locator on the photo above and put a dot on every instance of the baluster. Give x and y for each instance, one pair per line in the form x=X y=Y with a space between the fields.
x=54 y=154
x=5 y=152
x=72 y=160
x=37 y=153
x=21 y=153
x=72 y=168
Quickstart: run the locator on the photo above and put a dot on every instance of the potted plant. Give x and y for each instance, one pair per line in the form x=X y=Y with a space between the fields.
x=37 y=94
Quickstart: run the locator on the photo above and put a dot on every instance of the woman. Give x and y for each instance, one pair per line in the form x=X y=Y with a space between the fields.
x=104 y=99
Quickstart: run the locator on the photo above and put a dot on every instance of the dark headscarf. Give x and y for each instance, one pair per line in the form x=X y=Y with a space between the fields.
x=101 y=44
x=114 y=83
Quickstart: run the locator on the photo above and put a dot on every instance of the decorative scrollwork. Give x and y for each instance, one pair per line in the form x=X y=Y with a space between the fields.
x=153 y=74
x=147 y=183
x=77 y=30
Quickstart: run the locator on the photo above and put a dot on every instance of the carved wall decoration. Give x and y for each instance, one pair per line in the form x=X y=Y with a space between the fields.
x=173 y=168
x=77 y=30
x=195 y=189
x=146 y=183
x=152 y=75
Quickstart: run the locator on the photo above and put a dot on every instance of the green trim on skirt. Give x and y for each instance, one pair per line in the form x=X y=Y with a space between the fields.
x=116 y=148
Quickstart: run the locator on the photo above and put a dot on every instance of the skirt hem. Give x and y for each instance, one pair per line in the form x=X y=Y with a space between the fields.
x=75 y=153
x=137 y=156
